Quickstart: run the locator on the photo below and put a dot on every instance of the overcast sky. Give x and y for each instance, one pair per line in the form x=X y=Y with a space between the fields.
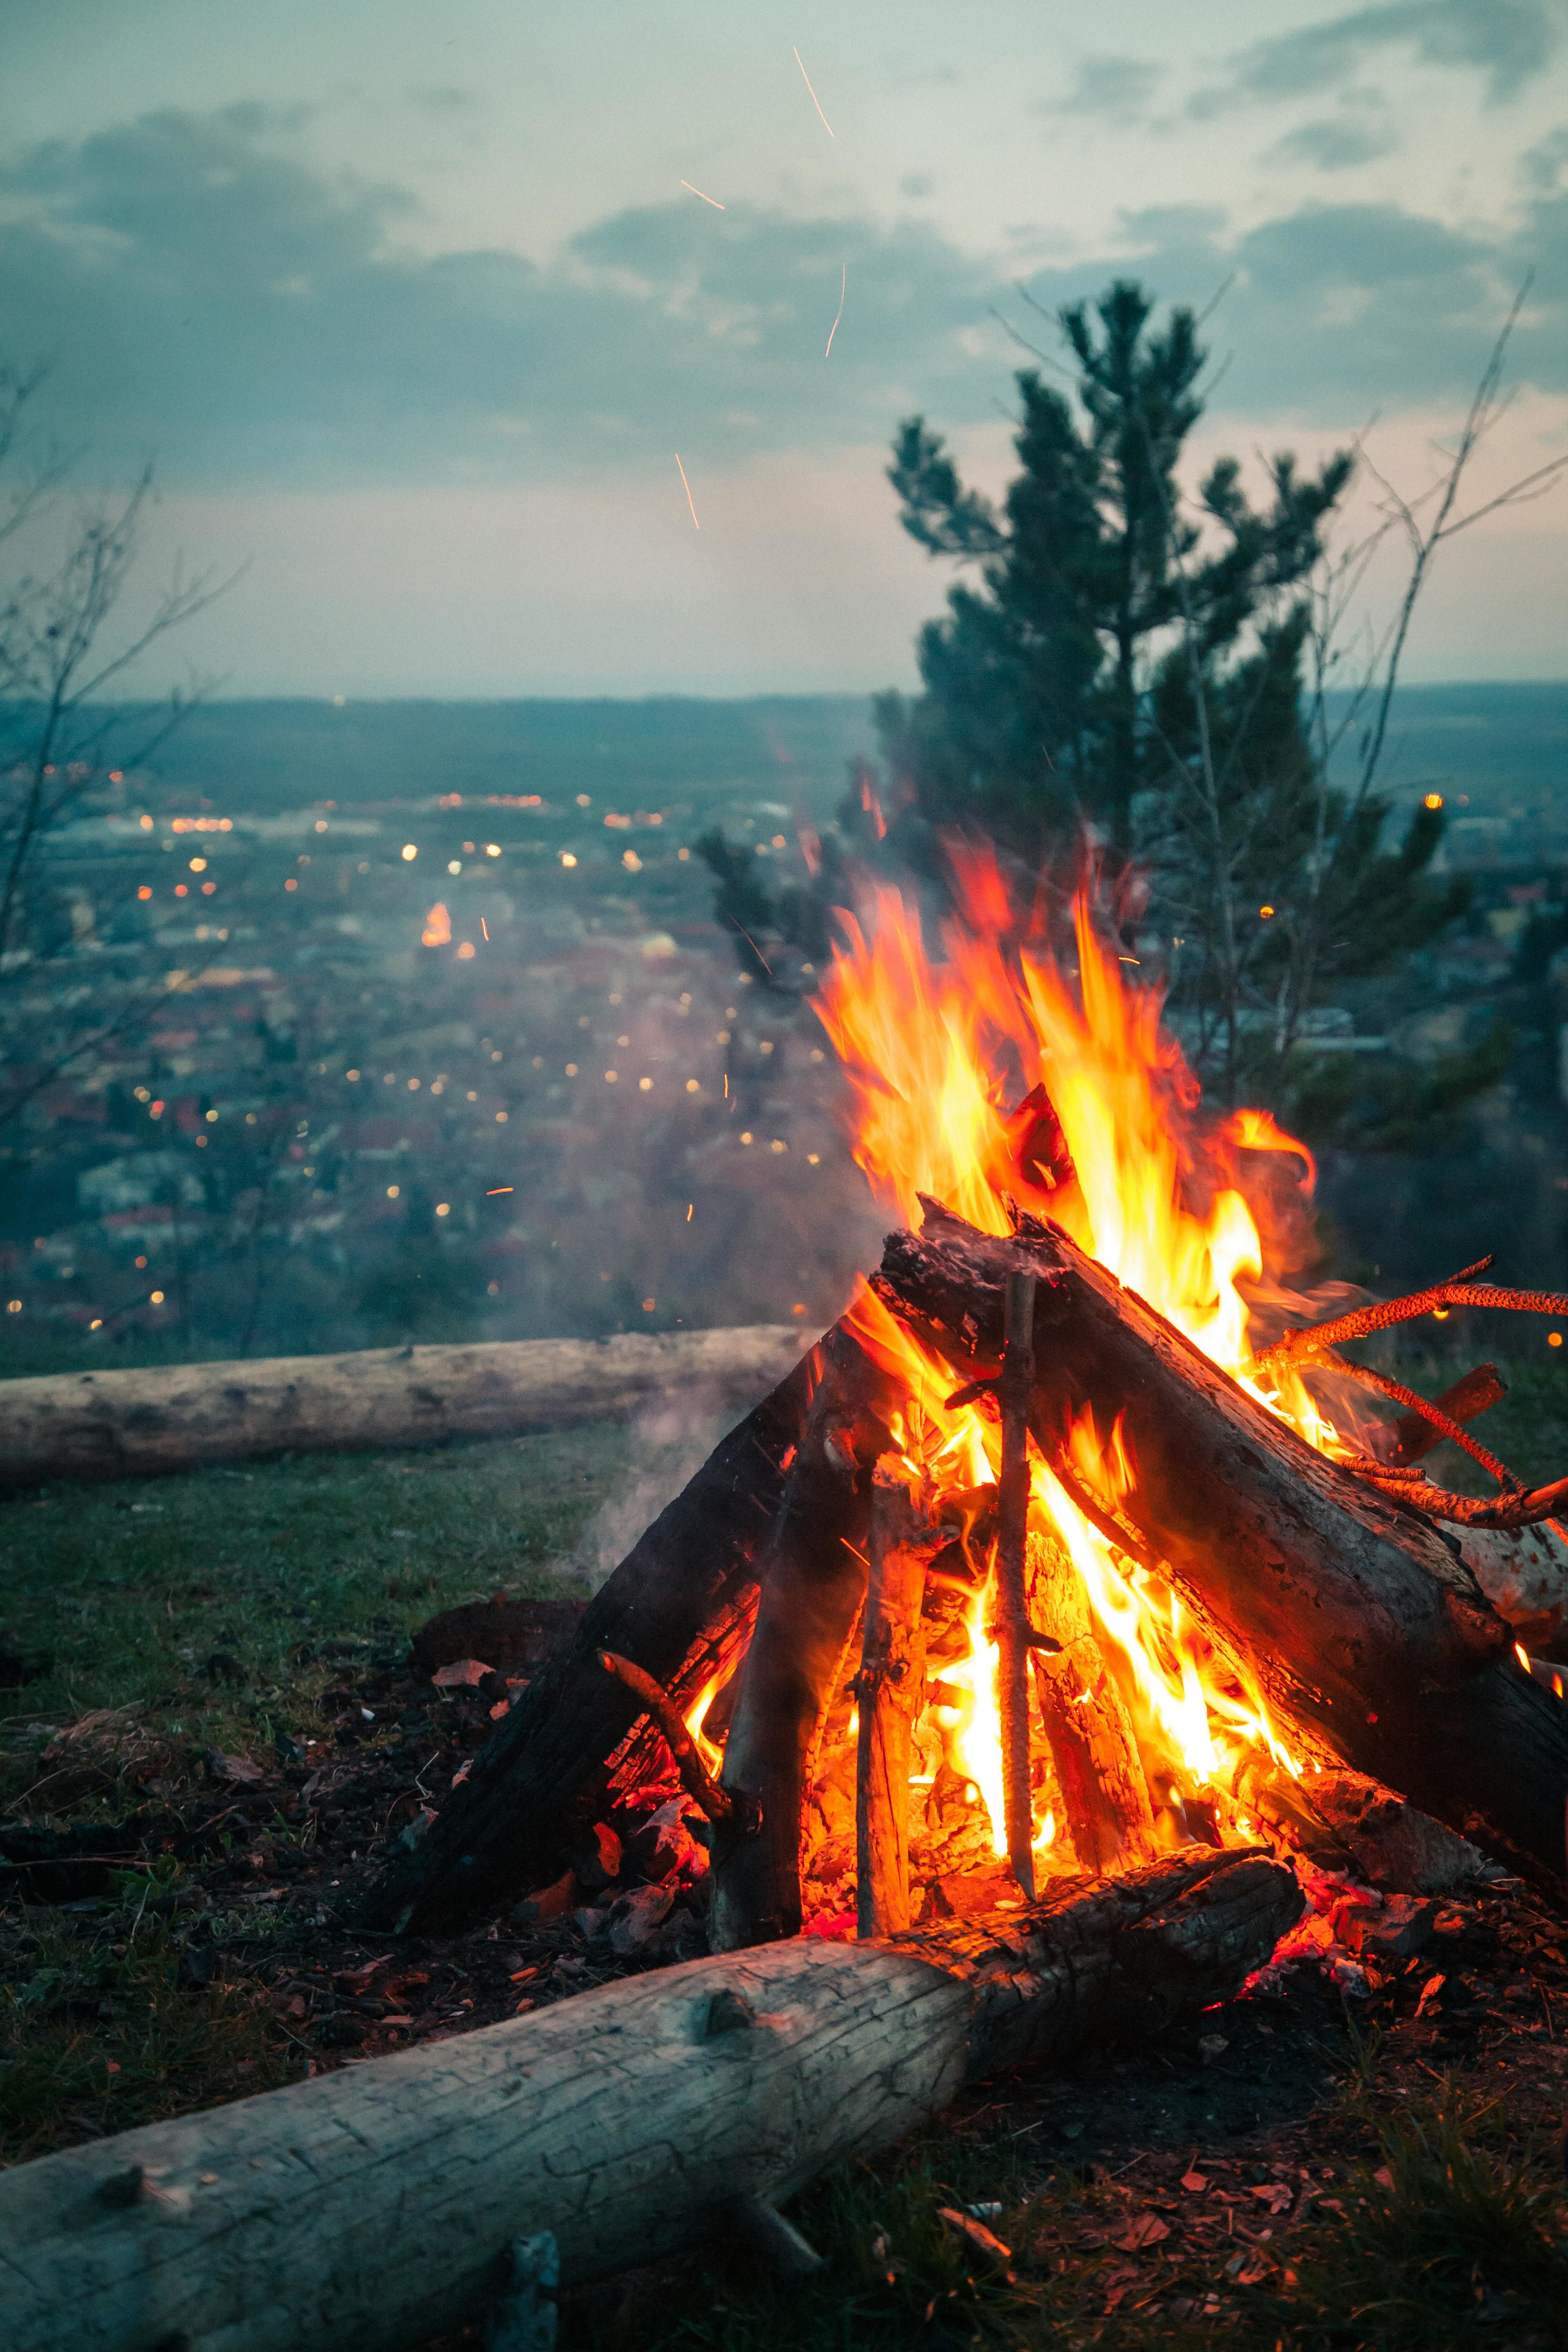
x=412 y=310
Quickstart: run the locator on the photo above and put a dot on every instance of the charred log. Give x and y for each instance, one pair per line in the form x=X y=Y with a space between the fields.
x=678 y=1606
x=1359 y=1620
x=813 y=1584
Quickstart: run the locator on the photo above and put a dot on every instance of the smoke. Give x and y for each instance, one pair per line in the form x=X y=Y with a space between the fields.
x=666 y=1445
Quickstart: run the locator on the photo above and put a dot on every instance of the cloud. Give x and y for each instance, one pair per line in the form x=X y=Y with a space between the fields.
x=209 y=296
x=1512 y=41
x=442 y=99
x=1335 y=310
x=211 y=300
x=1117 y=90
x=1336 y=144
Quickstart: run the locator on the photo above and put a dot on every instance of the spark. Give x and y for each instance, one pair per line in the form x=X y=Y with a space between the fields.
x=706 y=200
x=497 y=1188
x=843 y=282
x=689 y=1206
x=814 y=99
x=485 y=928
x=687 y=488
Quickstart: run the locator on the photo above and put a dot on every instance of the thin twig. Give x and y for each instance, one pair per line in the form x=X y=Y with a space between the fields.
x=727 y=1805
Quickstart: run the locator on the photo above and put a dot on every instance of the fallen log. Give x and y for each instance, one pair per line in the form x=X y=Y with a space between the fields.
x=139 y=1425
x=679 y=1606
x=1358 y=1619
x=377 y=2207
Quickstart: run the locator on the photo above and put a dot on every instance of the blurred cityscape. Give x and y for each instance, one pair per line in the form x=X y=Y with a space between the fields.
x=449 y=1045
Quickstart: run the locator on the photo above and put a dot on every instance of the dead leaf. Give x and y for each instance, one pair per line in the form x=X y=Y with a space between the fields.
x=1143 y=2230
x=1195 y=2183
x=1212 y=2046
x=463 y=1673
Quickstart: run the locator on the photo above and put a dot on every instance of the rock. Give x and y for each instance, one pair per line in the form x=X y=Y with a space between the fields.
x=238 y=1771
x=636 y=1917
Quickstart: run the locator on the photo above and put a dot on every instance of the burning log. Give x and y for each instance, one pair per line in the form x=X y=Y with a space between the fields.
x=147 y=1423
x=1355 y=1616
x=1104 y=1793
x=377 y=2206
x=889 y=1689
x=1013 y=1391
x=679 y=1607
x=814 y=1583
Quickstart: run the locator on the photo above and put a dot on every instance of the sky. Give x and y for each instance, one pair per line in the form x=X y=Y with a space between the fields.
x=414 y=315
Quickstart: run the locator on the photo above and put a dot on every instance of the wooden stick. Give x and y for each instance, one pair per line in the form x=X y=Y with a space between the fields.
x=718 y=1804
x=375 y=2207
x=889 y=1689
x=1475 y=1392
x=1014 y=1393
x=1104 y=1793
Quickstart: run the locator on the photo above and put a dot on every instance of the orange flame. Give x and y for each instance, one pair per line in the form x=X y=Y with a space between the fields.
x=1108 y=1143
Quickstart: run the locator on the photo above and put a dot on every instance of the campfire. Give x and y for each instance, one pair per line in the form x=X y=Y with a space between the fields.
x=1076 y=1543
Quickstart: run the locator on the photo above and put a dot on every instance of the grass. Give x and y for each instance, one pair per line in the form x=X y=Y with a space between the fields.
x=210 y=1605
x=1527 y=1428
x=1451 y=2235
x=211 y=1612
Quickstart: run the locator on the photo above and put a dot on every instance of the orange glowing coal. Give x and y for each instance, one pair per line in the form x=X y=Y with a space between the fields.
x=984 y=1071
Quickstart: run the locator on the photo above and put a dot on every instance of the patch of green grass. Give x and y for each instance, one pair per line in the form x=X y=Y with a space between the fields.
x=1457 y=2231
x=125 y=1592
x=1527 y=1428
x=99 y=2031
x=892 y=2273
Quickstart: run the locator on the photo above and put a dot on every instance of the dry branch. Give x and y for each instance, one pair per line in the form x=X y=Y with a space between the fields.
x=377 y=2207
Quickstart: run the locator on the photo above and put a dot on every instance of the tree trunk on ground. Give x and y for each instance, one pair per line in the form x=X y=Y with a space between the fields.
x=377 y=2206
x=1354 y=1614
x=676 y=1601
x=814 y=1580
x=131 y=1424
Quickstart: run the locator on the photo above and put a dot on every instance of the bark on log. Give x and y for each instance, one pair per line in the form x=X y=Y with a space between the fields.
x=1104 y=1794
x=675 y=1606
x=115 y=1424
x=812 y=1583
x=1357 y=1618
x=375 y=2207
